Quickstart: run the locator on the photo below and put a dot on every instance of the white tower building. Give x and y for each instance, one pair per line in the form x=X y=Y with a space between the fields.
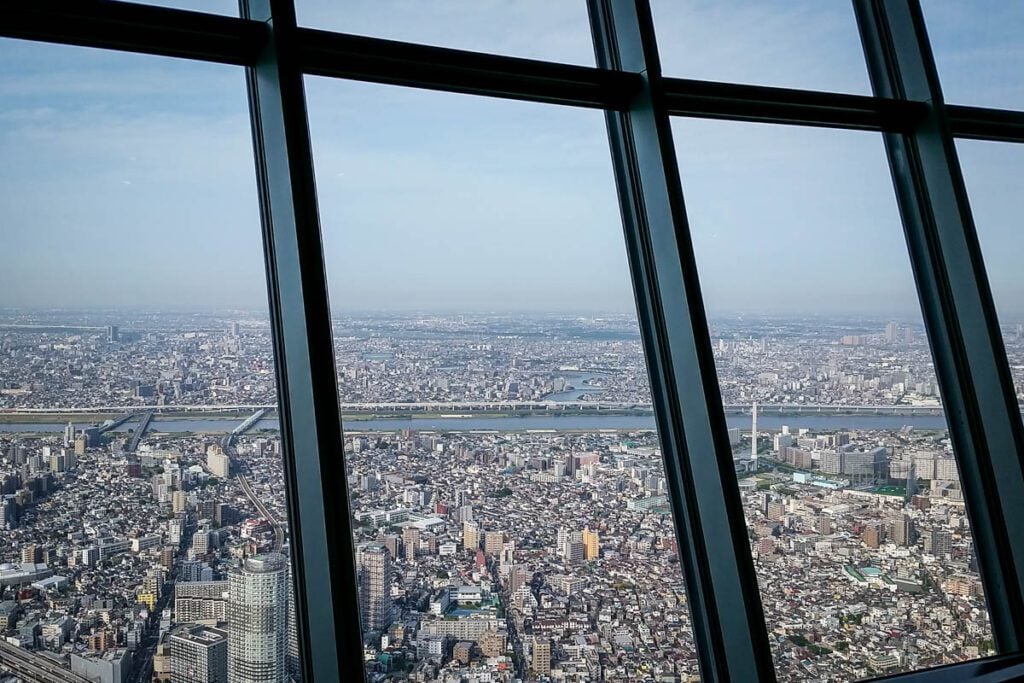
x=257 y=620
x=753 y=434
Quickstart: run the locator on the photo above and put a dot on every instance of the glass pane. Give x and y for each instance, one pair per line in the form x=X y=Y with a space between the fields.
x=992 y=172
x=850 y=488
x=535 y=29
x=483 y=314
x=228 y=7
x=978 y=51
x=142 y=515
x=799 y=44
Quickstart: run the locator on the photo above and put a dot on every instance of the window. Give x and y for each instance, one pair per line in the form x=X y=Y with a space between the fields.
x=479 y=240
x=853 y=500
x=142 y=468
x=444 y=182
x=991 y=172
x=798 y=45
x=978 y=52
x=532 y=28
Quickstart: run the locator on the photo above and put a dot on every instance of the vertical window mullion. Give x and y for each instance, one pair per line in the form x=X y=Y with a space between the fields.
x=969 y=356
x=729 y=628
x=318 y=503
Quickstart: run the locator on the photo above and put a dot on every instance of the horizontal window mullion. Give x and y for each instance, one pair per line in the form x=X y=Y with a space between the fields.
x=135 y=28
x=980 y=123
x=339 y=55
x=710 y=99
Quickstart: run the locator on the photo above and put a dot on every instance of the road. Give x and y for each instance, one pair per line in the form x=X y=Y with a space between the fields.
x=243 y=481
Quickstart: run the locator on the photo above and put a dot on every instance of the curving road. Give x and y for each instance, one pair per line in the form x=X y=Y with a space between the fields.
x=243 y=481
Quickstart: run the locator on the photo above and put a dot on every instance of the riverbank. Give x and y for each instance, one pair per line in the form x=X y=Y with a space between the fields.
x=525 y=423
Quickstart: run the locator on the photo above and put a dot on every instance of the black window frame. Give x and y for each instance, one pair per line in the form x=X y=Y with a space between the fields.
x=919 y=130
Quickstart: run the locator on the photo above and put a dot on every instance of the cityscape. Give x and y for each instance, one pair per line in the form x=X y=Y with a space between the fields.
x=509 y=501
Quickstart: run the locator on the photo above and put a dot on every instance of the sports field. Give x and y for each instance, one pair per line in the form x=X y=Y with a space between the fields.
x=890 y=490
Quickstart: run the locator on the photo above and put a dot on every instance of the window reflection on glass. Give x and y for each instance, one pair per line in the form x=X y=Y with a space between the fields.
x=850 y=487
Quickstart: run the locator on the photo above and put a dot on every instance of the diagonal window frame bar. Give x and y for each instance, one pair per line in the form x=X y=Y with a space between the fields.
x=725 y=604
x=322 y=550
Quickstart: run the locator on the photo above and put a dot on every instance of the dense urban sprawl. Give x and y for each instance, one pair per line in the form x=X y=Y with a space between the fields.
x=132 y=551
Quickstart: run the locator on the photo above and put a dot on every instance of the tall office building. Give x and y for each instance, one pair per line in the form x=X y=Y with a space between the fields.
x=753 y=433
x=470 y=536
x=373 y=564
x=541 y=660
x=507 y=559
x=32 y=554
x=199 y=655
x=493 y=542
x=574 y=549
x=903 y=531
x=257 y=620
x=561 y=539
x=591 y=544
x=410 y=542
x=218 y=462
x=941 y=542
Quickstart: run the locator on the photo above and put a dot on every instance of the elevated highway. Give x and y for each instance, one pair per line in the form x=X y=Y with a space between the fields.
x=249 y=423
x=140 y=431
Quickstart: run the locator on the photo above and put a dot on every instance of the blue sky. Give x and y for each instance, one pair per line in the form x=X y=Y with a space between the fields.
x=129 y=179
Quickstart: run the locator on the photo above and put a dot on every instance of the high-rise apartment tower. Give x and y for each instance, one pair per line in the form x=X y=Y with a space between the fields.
x=257 y=620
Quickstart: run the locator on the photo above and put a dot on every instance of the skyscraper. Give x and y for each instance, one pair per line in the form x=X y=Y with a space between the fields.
x=903 y=531
x=507 y=560
x=493 y=541
x=541 y=660
x=470 y=536
x=561 y=540
x=293 y=658
x=373 y=564
x=753 y=433
x=591 y=544
x=941 y=542
x=257 y=617
x=199 y=655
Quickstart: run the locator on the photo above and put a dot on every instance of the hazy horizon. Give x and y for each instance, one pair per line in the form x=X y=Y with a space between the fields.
x=130 y=180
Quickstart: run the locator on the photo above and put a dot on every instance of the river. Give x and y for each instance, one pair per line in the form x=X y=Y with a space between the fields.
x=528 y=422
